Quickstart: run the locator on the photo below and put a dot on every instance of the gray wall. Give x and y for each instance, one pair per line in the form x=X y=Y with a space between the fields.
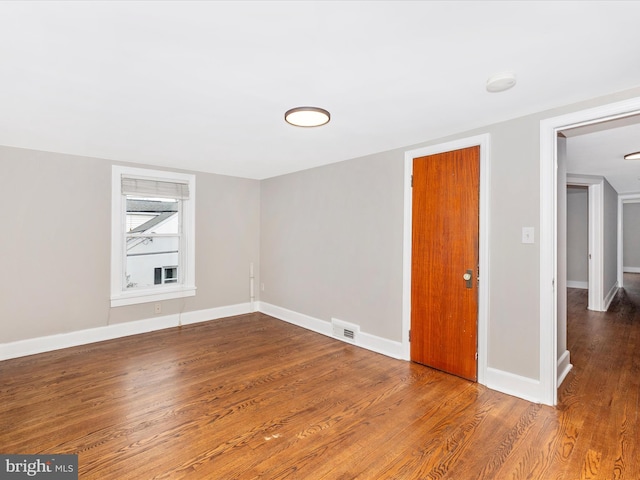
x=331 y=240
x=577 y=235
x=332 y=243
x=56 y=244
x=631 y=236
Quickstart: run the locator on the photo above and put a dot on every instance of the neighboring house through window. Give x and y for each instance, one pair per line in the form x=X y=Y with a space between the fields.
x=152 y=253
x=165 y=275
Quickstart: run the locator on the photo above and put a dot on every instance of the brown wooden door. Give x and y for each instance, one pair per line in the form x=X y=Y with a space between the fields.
x=444 y=310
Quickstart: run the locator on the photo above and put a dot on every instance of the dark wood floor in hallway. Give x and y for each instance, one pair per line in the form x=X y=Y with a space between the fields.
x=253 y=397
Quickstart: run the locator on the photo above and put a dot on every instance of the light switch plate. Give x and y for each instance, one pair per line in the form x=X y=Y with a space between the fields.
x=528 y=235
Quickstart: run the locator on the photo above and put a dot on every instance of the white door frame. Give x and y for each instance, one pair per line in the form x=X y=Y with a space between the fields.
x=595 y=187
x=483 y=287
x=549 y=129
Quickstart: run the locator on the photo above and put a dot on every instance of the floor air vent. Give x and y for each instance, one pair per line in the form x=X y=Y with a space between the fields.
x=345 y=331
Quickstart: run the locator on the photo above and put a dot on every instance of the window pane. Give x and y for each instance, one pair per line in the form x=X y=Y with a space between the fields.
x=146 y=254
x=156 y=244
x=152 y=215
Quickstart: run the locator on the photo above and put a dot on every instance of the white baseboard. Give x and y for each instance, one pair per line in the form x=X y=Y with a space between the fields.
x=295 y=318
x=365 y=340
x=501 y=381
x=197 y=316
x=33 y=346
x=610 y=296
x=631 y=269
x=515 y=385
x=564 y=366
x=381 y=345
x=577 y=284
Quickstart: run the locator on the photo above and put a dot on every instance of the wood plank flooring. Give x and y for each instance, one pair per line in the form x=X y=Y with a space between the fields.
x=253 y=397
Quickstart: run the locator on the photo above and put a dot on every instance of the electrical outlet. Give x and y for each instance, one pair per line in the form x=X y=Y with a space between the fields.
x=158 y=308
x=262 y=287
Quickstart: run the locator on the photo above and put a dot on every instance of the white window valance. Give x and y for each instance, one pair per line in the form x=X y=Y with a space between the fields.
x=154 y=188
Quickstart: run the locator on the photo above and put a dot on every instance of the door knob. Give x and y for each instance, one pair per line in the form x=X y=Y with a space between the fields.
x=468 y=278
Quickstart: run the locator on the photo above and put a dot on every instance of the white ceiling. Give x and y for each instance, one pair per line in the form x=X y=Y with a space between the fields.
x=599 y=150
x=204 y=85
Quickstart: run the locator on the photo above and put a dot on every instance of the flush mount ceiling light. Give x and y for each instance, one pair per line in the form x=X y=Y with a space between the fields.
x=307 y=116
x=501 y=82
x=632 y=156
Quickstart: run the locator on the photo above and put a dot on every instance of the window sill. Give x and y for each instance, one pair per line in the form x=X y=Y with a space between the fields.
x=154 y=295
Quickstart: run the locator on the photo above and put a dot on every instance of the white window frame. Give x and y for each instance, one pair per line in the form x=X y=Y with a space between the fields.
x=120 y=296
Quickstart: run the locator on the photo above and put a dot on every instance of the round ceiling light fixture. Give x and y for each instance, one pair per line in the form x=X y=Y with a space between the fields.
x=501 y=82
x=632 y=156
x=307 y=116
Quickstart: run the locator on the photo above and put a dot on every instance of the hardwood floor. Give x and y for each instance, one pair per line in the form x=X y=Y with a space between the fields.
x=253 y=397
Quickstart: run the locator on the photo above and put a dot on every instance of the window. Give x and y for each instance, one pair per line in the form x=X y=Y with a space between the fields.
x=152 y=239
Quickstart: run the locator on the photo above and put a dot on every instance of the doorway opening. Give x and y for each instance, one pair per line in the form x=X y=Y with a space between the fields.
x=629 y=209
x=550 y=361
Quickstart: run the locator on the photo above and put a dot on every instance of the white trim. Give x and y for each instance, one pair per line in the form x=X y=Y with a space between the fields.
x=365 y=340
x=49 y=343
x=484 y=141
x=631 y=269
x=380 y=345
x=295 y=318
x=577 y=284
x=548 y=266
x=187 y=287
x=32 y=346
x=596 y=246
x=512 y=384
x=197 y=316
x=620 y=259
x=144 y=296
x=548 y=231
x=564 y=366
x=610 y=296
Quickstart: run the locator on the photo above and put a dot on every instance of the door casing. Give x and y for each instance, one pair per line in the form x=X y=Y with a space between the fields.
x=547 y=387
x=596 y=241
x=483 y=287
